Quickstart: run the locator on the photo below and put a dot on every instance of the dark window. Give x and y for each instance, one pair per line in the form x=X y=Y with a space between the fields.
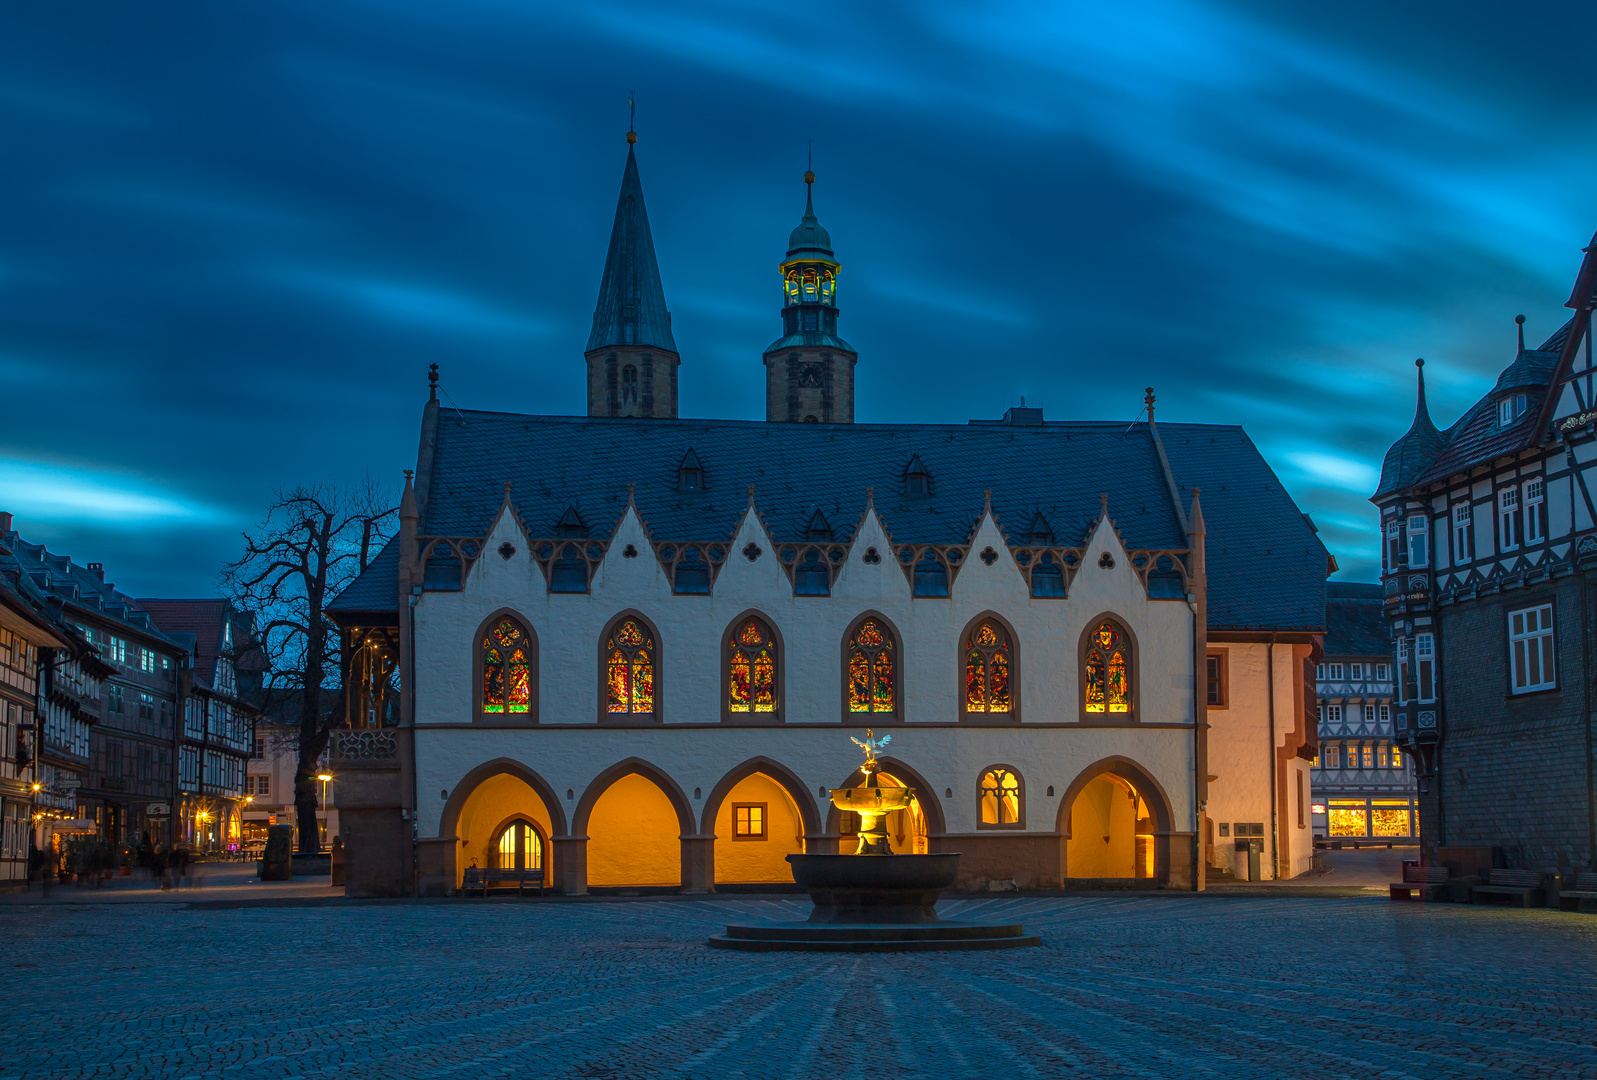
x=629 y=385
x=569 y=573
x=1217 y=687
x=692 y=573
x=931 y=576
x=811 y=577
x=1047 y=577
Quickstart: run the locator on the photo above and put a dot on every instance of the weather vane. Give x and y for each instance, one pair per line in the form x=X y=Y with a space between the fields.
x=871 y=745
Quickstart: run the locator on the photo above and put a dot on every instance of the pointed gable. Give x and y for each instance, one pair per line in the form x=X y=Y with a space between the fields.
x=631 y=308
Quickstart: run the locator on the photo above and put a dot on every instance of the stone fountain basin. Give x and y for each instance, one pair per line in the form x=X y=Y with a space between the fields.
x=895 y=889
x=875 y=799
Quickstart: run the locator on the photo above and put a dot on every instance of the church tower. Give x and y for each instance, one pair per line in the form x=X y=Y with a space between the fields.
x=632 y=357
x=809 y=371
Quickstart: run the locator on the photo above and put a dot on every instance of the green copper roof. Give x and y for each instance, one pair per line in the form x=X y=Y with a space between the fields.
x=809 y=238
x=631 y=308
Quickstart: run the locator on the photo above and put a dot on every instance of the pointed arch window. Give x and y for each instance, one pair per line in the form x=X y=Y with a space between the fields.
x=989 y=667
x=752 y=671
x=507 y=660
x=1107 y=671
x=630 y=665
x=1000 y=794
x=518 y=847
x=871 y=669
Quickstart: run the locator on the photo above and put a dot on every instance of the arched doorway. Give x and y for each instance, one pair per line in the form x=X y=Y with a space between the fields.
x=519 y=845
x=1116 y=821
x=485 y=812
x=635 y=818
x=758 y=814
x=909 y=830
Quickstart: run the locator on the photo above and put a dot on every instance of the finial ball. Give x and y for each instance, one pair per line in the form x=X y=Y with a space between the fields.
x=1420 y=362
x=632 y=138
x=1520 y=319
x=809 y=177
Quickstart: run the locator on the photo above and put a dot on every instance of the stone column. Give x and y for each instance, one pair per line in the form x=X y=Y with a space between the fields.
x=698 y=864
x=570 y=864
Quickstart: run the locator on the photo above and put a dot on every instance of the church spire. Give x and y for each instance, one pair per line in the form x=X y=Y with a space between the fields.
x=632 y=356
x=810 y=370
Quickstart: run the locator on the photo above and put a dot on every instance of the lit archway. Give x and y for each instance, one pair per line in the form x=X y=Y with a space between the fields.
x=1116 y=822
x=634 y=817
x=485 y=802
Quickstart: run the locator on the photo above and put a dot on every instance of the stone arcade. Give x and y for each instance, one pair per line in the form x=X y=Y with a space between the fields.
x=625 y=647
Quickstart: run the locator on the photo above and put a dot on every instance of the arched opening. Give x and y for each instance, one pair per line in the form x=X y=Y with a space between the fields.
x=492 y=809
x=872 y=674
x=505 y=666
x=989 y=671
x=519 y=845
x=757 y=826
x=634 y=817
x=1117 y=822
x=1108 y=671
x=751 y=674
x=629 y=670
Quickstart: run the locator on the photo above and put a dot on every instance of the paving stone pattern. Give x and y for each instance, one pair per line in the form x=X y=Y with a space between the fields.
x=1124 y=986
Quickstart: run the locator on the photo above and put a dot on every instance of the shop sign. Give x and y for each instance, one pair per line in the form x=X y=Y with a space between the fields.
x=68 y=783
x=73 y=825
x=158 y=809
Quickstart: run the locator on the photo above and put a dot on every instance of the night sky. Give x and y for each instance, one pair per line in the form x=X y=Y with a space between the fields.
x=235 y=236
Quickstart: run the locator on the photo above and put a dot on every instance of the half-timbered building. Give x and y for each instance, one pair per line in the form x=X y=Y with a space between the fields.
x=1489 y=562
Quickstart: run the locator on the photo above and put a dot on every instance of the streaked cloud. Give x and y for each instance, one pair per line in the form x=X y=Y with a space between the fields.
x=43 y=492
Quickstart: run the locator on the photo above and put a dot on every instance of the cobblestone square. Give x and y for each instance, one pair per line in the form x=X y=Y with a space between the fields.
x=1125 y=985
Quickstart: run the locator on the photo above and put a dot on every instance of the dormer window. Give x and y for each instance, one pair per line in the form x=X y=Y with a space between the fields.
x=818 y=528
x=1511 y=408
x=690 y=474
x=917 y=480
x=571 y=526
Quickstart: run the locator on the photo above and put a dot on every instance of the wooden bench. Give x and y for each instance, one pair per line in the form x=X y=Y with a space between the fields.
x=1584 y=893
x=1421 y=883
x=1526 y=885
x=482 y=878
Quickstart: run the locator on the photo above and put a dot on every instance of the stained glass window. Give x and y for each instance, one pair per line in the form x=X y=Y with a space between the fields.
x=629 y=668
x=506 y=669
x=751 y=669
x=519 y=848
x=1108 y=674
x=870 y=669
x=1000 y=797
x=987 y=670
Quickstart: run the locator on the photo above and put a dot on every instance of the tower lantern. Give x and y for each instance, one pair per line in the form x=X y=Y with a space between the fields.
x=810 y=370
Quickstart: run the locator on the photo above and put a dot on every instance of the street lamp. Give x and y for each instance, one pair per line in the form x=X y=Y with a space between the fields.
x=324 y=778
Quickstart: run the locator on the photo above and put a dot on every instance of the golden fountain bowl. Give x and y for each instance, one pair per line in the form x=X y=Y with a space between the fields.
x=868 y=799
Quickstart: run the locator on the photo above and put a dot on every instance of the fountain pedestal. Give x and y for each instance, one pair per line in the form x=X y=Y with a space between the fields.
x=873 y=900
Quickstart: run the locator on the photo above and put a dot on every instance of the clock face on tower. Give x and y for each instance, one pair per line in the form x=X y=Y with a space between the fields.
x=810 y=374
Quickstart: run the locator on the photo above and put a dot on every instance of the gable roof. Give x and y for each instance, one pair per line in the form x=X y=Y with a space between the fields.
x=1353 y=622
x=1266 y=566
x=203 y=620
x=631 y=308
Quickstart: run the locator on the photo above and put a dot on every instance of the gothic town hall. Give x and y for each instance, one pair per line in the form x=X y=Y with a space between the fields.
x=627 y=650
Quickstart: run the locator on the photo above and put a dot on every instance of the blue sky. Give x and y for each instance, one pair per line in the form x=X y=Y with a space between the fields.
x=235 y=237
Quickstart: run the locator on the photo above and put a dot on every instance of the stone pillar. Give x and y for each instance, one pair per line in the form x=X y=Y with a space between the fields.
x=570 y=864
x=698 y=864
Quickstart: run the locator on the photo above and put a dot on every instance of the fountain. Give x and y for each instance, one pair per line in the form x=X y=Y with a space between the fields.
x=873 y=900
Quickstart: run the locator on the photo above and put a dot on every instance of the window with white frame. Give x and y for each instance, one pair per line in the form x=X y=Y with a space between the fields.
x=1334 y=713
x=1334 y=672
x=1508 y=527
x=1319 y=672
x=1418 y=555
x=1530 y=649
x=1386 y=714
x=1403 y=669
x=1535 y=511
x=1381 y=674
x=1511 y=408
x=1463 y=534
x=1393 y=551
x=1333 y=756
x=1355 y=672
x=1425 y=666
x=1369 y=714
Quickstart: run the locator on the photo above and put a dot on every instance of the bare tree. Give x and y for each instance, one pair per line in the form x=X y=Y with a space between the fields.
x=313 y=541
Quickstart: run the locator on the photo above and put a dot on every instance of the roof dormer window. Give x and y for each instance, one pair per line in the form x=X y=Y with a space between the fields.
x=917 y=480
x=690 y=474
x=1511 y=408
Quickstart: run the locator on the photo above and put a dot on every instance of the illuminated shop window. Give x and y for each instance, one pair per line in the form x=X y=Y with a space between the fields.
x=629 y=668
x=1108 y=681
x=751 y=669
x=1389 y=817
x=1348 y=818
x=870 y=669
x=748 y=821
x=987 y=669
x=1000 y=797
x=506 y=669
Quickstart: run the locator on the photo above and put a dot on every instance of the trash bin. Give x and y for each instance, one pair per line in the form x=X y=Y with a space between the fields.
x=1247 y=858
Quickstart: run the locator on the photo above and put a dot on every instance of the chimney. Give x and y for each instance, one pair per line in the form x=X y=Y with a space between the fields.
x=1021 y=416
x=97 y=569
x=5 y=521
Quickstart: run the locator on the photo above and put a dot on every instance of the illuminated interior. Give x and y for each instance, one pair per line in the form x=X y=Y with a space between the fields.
x=987 y=670
x=629 y=670
x=489 y=814
x=751 y=670
x=634 y=836
x=870 y=669
x=1000 y=797
x=506 y=685
x=1111 y=832
x=750 y=860
x=1349 y=818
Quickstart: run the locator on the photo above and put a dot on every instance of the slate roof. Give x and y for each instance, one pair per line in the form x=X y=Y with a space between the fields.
x=1353 y=622
x=1266 y=565
x=199 y=620
x=1418 y=447
x=375 y=590
x=69 y=583
x=631 y=308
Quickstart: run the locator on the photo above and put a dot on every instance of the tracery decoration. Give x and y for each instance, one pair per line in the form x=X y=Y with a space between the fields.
x=813 y=568
x=506 y=669
x=630 y=659
x=518 y=847
x=691 y=567
x=752 y=661
x=871 y=668
x=913 y=556
x=1107 y=684
x=989 y=665
x=1000 y=797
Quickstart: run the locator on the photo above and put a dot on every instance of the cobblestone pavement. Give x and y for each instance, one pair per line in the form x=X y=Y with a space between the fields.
x=1124 y=986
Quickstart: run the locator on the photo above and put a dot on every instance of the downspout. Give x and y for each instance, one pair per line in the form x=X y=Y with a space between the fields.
x=406 y=603
x=1275 y=836
x=1591 y=810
